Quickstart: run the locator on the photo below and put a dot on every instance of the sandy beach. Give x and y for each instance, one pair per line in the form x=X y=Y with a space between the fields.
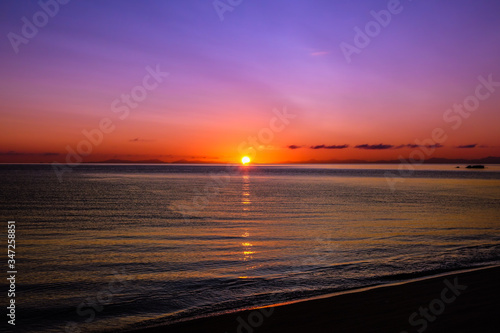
x=453 y=302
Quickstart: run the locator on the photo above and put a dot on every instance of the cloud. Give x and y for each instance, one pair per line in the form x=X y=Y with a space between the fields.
x=145 y=156
x=329 y=147
x=15 y=153
x=410 y=145
x=10 y=153
x=140 y=140
x=374 y=147
x=413 y=146
x=366 y=146
x=468 y=146
x=319 y=53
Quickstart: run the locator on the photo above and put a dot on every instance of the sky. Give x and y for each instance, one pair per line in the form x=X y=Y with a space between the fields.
x=278 y=80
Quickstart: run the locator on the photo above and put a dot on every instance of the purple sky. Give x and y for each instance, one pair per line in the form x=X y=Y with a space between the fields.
x=226 y=76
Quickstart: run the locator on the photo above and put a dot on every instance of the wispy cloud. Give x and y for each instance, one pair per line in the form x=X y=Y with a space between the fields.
x=140 y=140
x=15 y=153
x=412 y=145
x=319 y=53
x=329 y=147
x=437 y=145
x=468 y=146
x=366 y=146
x=380 y=146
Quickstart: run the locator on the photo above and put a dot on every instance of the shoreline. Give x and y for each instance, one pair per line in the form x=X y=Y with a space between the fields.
x=392 y=307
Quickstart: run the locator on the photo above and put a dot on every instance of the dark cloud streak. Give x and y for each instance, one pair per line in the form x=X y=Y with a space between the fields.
x=374 y=147
x=329 y=147
x=468 y=146
x=380 y=146
x=15 y=153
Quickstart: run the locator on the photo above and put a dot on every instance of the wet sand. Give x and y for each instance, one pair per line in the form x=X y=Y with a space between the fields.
x=453 y=302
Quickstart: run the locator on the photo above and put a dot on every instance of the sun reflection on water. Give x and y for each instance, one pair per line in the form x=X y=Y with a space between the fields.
x=245 y=193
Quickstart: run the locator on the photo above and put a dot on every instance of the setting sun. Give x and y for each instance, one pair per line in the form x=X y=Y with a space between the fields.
x=245 y=160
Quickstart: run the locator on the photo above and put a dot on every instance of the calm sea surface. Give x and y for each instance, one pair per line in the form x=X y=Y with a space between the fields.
x=120 y=246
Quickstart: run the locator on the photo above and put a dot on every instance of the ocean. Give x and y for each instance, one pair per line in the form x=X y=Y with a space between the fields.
x=116 y=247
